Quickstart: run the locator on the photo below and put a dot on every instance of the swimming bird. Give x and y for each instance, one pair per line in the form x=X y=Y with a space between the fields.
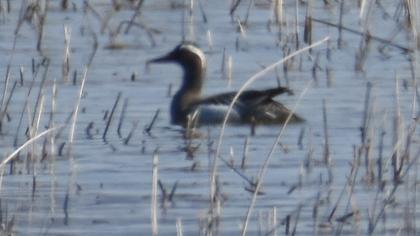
x=252 y=107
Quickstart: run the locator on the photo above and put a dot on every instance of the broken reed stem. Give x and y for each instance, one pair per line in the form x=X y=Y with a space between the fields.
x=248 y=11
x=203 y=13
x=229 y=71
x=148 y=129
x=87 y=6
x=179 y=228
x=234 y=7
x=66 y=208
x=76 y=109
x=122 y=117
x=264 y=168
x=404 y=49
x=66 y=60
x=38 y=118
x=307 y=34
x=223 y=67
x=245 y=152
x=297 y=43
x=42 y=20
x=95 y=48
x=351 y=184
x=3 y=109
x=154 y=198
x=389 y=199
x=34 y=75
x=297 y=219
x=41 y=89
x=29 y=142
x=6 y=85
x=340 y=25
x=53 y=105
x=250 y=181
x=21 y=76
x=111 y=115
x=396 y=157
x=278 y=13
x=52 y=158
x=366 y=118
x=365 y=10
x=273 y=220
x=134 y=16
x=191 y=30
x=327 y=157
x=379 y=162
x=210 y=39
x=362 y=53
x=240 y=91
x=35 y=128
x=130 y=134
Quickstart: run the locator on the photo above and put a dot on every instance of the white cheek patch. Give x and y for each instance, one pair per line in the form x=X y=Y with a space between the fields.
x=197 y=52
x=216 y=113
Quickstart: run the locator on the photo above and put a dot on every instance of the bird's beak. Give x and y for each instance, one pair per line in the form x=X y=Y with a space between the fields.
x=165 y=58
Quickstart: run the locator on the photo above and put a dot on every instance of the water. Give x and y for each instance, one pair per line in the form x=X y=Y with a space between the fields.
x=105 y=187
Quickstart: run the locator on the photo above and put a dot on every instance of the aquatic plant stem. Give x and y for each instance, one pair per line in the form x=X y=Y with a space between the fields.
x=247 y=83
x=154 y=207
x=11 y=156
x=267 y=161
x=76 y=109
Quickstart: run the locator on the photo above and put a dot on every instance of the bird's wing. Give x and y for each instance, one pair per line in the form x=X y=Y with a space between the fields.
x=248 y=97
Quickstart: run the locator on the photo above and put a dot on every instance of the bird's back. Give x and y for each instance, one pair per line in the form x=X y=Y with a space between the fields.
x=252 y=106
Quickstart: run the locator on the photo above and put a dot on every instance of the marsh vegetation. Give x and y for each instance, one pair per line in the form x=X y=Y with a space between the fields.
x=87 y=149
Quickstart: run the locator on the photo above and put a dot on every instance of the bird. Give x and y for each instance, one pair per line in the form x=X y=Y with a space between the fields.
x=255 y=107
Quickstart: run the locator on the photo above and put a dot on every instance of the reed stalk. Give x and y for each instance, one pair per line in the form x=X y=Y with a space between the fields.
x=137 y=12
x=111 y=115
x=122 y=117
x=23 y=146
x=77 y=107
x=220 y=140
x=264 y=167
x=179 y=227
x=66 y=60
x=154 y=198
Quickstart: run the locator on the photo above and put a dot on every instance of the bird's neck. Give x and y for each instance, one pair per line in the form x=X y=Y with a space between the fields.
x=188 y=94
x=192 y=82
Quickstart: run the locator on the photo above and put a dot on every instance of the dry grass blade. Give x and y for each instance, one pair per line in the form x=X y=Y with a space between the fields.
x=6 y=85
x=122 y=117
x=391 y=193
x=3 y=109
x=30 y=141
x=148 y=129
x=42 y=20
x=66 y=60
x=179 y=228
x=247 y=83
x=76 y=110
x=111 y=115
x=235 y=5
x=307 y=34
x=263 y=169
x=381 y=40
x=154 y=203
x=41 y=89
x=134 y=16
